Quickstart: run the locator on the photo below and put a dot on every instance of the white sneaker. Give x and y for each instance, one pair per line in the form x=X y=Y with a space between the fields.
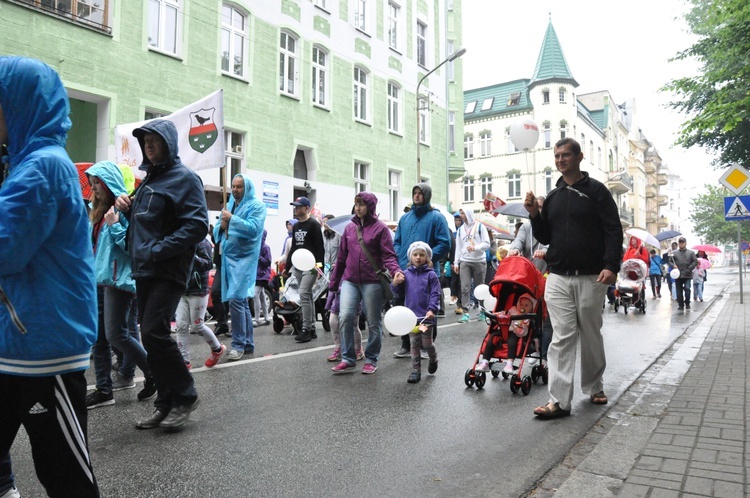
x=11 y=493
x=482 y=366
x=508 y=367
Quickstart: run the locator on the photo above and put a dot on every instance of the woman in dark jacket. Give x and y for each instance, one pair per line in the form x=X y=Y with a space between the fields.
x=359 y=280
x=263 y=275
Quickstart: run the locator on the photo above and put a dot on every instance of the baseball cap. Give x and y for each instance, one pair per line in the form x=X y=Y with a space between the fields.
x=456 y=214
x=301 y=201
x=682 y=239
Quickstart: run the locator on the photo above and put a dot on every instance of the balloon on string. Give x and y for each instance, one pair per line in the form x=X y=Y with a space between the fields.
x=482 y=292
x=399 y=320
x=524 y=133
x=490 y=303
x=303 y=260
x=675 y=274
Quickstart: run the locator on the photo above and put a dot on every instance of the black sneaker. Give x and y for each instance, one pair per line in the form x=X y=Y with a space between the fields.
x=149 y=389
x=221 y=328
x=99 y=398
x=414 y=377
x=432 y=367
x=305 y=336
x=687 y=306
x=441 y=313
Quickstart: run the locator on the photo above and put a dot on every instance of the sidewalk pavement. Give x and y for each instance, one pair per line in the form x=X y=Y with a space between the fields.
x=680 y=429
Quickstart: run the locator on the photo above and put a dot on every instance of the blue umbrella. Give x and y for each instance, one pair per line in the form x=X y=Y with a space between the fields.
x=667 y=234
x=338 y=223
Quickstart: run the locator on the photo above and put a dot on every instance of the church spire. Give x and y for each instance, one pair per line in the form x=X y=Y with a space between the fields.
x=551 y=64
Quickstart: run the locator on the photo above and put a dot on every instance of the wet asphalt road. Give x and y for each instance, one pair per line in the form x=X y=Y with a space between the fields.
x=278 y=423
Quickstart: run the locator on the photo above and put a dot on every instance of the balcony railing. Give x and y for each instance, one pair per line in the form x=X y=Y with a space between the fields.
x=651 y=191
x=650 y=166
x=662 y=200
x=626 y=218
x=662 y=179
x=662 y=222
x=620 y=183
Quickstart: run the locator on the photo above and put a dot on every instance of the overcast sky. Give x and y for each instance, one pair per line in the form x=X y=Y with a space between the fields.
x=623 y=47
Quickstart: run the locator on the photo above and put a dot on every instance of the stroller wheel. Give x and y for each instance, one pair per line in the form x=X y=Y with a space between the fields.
x=535 y=373
x=515 y=383
x=278 y=324
x=495 y=374
x=545 y=375
x=481 y=378
x=469 y=378
x=526 y=385
x=505 y=375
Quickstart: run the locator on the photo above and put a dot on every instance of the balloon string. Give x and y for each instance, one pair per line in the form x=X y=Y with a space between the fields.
x=528 y=174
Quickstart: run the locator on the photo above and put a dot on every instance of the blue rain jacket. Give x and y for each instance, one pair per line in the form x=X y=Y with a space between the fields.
x=47 y=290
x=240 y=245
x=111 y=260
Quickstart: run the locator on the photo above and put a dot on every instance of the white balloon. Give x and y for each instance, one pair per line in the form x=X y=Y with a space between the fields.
x=524 y=133
x=482 y=292
x=399 y=320
x=675 y=274
x=490 y=303
x=303 y=260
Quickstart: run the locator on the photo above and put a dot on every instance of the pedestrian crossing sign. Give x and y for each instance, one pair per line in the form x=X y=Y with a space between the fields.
x=735 y=208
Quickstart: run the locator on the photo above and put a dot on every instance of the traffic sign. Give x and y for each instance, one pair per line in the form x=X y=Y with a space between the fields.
x=736 y=178
x=735 y=208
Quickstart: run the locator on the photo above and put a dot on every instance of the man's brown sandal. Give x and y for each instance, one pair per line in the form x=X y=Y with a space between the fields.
x=550 y=411
x=599 y=398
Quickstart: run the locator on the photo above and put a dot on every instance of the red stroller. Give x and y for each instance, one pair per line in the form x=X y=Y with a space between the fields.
x=516 y=276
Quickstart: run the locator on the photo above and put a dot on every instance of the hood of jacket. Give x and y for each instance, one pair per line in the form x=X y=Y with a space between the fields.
x=293 y=221
x=420 y=210
x=638 y=242
x=371 y=201
x=109 y=173
x=469 y=218
x=167 y=130
x=265 y=234
x=35 y=106
x=249 y=193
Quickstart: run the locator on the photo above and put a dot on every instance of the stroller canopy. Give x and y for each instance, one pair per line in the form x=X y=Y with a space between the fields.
x=519 y=271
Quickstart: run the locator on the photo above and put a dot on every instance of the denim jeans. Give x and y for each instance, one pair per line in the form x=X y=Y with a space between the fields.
x=698 y=290
x=117 y=306
x=373 y=300
x=127 y=368
x=306 y=280
x=683 y=286
x=101 y=351
x=242 y=325
x=157 y=302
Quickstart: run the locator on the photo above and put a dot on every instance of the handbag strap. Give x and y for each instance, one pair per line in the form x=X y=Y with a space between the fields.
x=365 y=250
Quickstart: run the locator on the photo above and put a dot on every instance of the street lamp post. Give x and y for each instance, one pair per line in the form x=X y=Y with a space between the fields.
x=455 y=55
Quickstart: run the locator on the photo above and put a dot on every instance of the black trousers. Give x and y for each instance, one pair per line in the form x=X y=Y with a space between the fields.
x=53 y=412
x=157 y=302
x=220 y=311
x=683 y=291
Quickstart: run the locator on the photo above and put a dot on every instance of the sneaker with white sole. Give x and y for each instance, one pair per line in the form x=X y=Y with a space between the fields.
x=360 y=354
x=464 y=318
x=335 y=356
x=122 y=383
x=482 y=366
x=235 y=355
x=402 y=353
x=423 y=354
x=508 y=368
x=97 y=399
x=214 y=357
x=343 y=367
x=369 y=368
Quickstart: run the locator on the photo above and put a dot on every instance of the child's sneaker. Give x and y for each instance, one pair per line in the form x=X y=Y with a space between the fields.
x=414 y=377
x=335 y=356
x=369 y=368
x=464 y=318
x=343 y=367
x=360 y=355
x=508 y=367
x=213 y=358
x=482 y=366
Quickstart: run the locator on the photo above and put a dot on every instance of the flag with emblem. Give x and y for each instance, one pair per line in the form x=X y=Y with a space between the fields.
x=200 y=131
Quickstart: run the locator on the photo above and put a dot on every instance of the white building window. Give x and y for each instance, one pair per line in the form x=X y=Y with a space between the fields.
x=468 y=189
x=470 y=107
x=547 y=135
x=394 y=12
x=234 y=38
x=514 y=185
x=563 y=129
x=486 y=184
x=451 y=132
x=485 y=144
x=394 y=193
x=287 y=64
x=510 y=147
x=165 y=25
x=319 y=77
x=360 y=94
x=394 y=108
x=424 y=122
x=361 y=177
x=449 y=67
x=360 y=14
x=562 y=95
x=591 y=151
x=548 y=180
x=321 y=4
x=421 y=44
x=234 y=154
x=469 y=147
x=545 y=96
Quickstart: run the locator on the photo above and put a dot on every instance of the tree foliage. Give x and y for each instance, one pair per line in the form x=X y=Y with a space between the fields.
x=707 y=217
x=718 y=99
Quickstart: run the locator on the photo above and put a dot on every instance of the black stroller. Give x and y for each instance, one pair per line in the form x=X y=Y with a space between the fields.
x=287 y=309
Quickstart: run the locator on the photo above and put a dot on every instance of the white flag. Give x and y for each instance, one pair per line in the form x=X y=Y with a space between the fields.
x=200 y=132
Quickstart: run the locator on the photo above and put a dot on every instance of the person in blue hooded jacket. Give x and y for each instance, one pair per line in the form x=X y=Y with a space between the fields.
x=168 y=218
x=116 y=288
x=426 y=224
x=240 y=233
x=47 y=287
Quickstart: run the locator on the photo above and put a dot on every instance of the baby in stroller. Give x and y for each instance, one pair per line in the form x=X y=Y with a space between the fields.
x=630 y=287
x=519 y=328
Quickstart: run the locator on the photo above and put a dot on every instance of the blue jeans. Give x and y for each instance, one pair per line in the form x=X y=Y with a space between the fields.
x=127 y=364
x=101 y=351
x=117 y=307
x=242 y=325
x=372 y=297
